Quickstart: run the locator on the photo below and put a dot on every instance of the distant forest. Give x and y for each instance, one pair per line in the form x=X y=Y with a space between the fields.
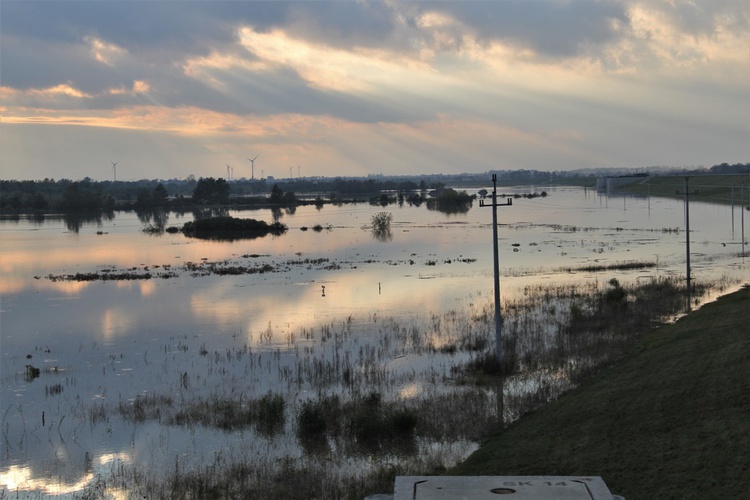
x=85 y=195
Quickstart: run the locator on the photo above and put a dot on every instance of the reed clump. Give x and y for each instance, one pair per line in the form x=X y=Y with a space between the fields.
x=365 y=421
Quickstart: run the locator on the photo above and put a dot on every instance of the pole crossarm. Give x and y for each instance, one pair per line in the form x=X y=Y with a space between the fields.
x=495 y=204
x=498 y=317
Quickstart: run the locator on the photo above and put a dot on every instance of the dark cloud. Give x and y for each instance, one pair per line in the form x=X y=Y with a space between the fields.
x=48 y=43
x=43 y=42
x=344 y=24
x=701 y=18
x=182 y=26
x=553 y=28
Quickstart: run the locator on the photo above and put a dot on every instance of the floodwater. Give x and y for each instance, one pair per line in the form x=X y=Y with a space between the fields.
x=100 y=344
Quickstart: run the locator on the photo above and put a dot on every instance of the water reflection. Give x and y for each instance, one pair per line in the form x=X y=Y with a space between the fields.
x=74 y=221
x=154 y=220
x=276 y=214
x=209 y=212
x=449 y=208
x=383 y=235
x=390 y=316
x=35 y=218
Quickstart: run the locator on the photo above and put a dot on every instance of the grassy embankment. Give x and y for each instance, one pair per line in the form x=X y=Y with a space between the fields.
x=710 y=188
x=671 y=420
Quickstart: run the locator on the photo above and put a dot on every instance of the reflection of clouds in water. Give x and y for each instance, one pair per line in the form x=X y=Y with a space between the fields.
x=370 y=279
x=12 y=285
x=288 y=309
x=228 y=307
x=115 y=323
x=410 y=391
x=147 y=287
x=19 y=478
x=70 y=288
x=124 y=284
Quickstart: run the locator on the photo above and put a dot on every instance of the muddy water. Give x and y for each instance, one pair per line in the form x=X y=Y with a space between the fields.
x=100 y=344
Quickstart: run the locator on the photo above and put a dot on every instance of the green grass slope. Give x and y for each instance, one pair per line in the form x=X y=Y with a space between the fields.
x=671 y=420
x=725 y=189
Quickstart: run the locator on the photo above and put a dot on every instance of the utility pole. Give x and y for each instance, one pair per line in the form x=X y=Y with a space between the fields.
x=687 y=238
x=498 y=317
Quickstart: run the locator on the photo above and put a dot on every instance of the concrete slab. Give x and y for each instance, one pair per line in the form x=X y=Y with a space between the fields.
x=498 y=487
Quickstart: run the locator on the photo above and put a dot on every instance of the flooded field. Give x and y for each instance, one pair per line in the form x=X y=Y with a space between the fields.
x=334 y=353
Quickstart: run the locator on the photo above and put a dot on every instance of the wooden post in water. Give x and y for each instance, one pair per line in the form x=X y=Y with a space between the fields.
x=499 y=354
x=687 y=240
x=498 y=316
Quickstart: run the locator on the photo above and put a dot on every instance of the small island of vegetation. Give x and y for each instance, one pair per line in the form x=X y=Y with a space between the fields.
x=231 y=228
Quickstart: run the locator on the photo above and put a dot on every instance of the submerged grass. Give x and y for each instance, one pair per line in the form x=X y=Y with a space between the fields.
x=668 y=421
x=266 y=414
x=386 y=397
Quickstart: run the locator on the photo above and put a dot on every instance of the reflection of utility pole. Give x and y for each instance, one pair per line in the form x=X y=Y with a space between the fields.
x=687 y=237
x=498 y=317
x=742 y=221
x=732 y=211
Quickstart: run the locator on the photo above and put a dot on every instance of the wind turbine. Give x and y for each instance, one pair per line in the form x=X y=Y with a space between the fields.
x=229 y=175
x=114 y=168
x=252 y=165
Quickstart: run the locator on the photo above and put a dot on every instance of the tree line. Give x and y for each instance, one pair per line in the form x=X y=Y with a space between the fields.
x=87 y=194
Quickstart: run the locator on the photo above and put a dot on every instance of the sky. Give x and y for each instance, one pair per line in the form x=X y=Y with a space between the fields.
x=166 y=89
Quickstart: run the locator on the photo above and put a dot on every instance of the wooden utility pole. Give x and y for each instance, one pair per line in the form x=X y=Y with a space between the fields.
x=498 y=316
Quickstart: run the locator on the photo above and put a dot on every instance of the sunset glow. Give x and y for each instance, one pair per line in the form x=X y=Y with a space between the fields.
x=361 y=88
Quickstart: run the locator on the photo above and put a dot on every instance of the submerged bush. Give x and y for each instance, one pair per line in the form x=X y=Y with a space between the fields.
x=484 y=368
x=381 y=221
x=616 y=293
x=231 y=228
x=366 y=420
x=381 y=226
x=319 y=417
x=269 y=413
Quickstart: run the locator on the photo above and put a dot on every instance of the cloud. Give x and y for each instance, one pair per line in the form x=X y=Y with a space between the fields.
x=551 y=29
x=371 y=85
x=102 y=51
